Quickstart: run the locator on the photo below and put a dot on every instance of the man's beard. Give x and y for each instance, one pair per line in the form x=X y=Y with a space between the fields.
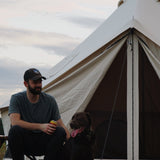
x=34 y=90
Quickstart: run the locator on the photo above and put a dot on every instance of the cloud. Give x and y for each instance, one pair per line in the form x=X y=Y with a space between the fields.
x=51 y=16
x=61 y=51
x=12 y=71
x=11 y=80
x=31 y=37
x=5 y=95
x=21 y=49
x=14 y=40
x=30 y=55
x=86 y=21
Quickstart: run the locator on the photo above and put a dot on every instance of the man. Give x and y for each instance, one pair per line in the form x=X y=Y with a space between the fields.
x=30 y=113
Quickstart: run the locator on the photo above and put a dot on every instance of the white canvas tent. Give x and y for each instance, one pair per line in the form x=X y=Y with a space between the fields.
x=106 y=74
x=114 y=74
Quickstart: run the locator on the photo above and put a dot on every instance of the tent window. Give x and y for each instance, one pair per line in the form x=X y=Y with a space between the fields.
x=101 y=106
x=149 y=113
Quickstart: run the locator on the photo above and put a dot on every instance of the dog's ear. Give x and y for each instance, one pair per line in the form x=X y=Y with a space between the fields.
x=89 y=119
x=73 y=117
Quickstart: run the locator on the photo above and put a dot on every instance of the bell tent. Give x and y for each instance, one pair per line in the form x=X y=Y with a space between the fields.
x=115 y=75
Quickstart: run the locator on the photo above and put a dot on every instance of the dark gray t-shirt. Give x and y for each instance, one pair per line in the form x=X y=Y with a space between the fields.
x=43 y=111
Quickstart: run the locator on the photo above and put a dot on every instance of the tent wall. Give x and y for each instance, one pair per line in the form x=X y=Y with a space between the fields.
x=74 y=92
x=5 y=120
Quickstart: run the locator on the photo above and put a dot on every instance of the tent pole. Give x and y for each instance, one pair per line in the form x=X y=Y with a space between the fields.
x=132 y=98
x=130 y=155
x=136 y=97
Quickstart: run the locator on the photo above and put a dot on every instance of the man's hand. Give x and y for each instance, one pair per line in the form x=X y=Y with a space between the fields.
x=48 y=128
x=44 y=127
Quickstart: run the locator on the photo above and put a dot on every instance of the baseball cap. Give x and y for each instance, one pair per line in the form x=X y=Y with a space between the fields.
x=33 y=74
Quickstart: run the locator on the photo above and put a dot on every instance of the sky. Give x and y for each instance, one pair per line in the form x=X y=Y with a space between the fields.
x=40 y=33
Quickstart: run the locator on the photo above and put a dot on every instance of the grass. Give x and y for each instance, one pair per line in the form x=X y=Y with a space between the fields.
x=2 y=151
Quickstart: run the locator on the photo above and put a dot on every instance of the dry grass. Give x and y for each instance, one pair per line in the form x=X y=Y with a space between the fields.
x=2 y=151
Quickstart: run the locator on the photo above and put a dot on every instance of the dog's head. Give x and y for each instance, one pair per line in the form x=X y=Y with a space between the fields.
x=80 y=119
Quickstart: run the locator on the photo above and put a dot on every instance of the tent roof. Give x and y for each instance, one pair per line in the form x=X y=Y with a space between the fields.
x=139 y=14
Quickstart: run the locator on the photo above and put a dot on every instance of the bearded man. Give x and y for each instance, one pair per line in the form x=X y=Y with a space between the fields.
x=30 y=114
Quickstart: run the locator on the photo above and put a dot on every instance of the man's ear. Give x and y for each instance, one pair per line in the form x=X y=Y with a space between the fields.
x=25 y=84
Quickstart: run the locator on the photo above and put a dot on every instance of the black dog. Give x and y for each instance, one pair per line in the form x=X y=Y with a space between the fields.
x=79 y=146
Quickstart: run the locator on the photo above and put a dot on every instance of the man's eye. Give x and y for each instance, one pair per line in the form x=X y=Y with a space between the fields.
x=37 y=81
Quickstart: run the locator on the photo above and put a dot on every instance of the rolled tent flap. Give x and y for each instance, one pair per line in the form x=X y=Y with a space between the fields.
x=74 y=92
x=152 y=56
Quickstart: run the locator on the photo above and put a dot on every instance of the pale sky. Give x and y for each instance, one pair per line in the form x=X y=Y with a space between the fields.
x=40 y=33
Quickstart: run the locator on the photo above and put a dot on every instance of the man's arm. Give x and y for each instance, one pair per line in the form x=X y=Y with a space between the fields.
x=45 y=127
x=61 y=124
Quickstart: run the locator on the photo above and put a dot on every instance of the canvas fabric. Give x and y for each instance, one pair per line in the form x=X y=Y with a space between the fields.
x=75 y=91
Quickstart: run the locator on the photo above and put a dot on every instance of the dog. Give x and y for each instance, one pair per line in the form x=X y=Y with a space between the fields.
x=79 y=146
